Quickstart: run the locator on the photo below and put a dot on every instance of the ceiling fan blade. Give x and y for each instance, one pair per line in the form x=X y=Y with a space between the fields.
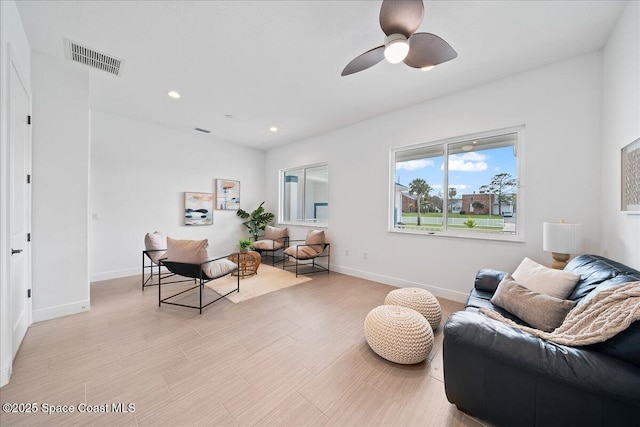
x=401 y=16
x=426 y=49
x=364 y=61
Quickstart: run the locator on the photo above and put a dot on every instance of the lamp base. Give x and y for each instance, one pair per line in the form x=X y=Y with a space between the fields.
x=559 y=260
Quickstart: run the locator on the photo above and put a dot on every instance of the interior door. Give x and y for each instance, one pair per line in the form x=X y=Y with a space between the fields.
x=19 y=205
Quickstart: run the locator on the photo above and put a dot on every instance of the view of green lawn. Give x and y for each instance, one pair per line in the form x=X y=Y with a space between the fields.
x=454 y=222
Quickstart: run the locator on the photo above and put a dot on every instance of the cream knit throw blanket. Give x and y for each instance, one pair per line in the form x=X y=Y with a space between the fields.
x=604 y=315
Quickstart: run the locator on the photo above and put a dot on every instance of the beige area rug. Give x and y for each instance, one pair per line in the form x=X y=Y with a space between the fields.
x=267 y=280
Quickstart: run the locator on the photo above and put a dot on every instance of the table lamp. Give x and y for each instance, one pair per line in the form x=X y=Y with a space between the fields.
x=561 y=239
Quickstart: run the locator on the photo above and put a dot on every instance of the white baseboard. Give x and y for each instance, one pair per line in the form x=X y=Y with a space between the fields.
x=117 y=274
x=61 y=310
x=394 y=281
x=5 y=374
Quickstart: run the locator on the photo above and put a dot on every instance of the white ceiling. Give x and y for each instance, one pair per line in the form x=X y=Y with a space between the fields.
x=279 y=62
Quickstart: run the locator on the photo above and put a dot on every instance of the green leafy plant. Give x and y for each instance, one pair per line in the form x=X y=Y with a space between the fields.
x=470 y=223
x=245 y=245
x=256 y=221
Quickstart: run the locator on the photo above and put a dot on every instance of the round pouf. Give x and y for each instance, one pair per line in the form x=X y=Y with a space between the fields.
x=420 y=300
x=399 y=334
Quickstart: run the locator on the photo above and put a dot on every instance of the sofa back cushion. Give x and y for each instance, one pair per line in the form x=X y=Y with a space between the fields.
x=593 y=271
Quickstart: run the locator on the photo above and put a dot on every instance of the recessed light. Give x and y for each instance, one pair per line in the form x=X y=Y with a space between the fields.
x=273 y=129
x=173 y=94
x=427 y=68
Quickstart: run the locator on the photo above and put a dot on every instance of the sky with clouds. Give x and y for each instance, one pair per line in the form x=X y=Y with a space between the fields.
x=467 y=171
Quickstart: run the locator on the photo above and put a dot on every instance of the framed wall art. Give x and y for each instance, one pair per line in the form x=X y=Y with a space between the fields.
x=630 y=183
x=198 y=208
x=227 y=194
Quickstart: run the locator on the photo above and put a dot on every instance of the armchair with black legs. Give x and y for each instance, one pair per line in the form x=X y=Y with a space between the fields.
x=305 y=255
x=275 y=239
x=189 y=259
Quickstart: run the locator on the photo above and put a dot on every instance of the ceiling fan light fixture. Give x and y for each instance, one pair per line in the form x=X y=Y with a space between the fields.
x=427 y=68
x=396 y=48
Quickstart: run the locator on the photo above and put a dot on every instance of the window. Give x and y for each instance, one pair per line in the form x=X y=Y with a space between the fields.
x=304 y=195
x=474 y=193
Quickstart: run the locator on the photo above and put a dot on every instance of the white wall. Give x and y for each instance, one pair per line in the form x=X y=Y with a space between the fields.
x=139 y=172
x=60 y=187
x=561 y=108
x=621 y=125
x=11 y=34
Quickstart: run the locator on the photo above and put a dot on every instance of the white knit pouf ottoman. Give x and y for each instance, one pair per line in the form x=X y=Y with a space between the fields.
x=398 y=334
x=420 y=300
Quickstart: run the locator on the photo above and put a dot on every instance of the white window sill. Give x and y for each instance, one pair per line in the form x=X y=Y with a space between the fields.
x=477 y=235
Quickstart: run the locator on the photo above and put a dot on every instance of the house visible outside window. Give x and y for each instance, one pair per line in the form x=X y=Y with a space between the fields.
x=474 y=193
x=304 y=195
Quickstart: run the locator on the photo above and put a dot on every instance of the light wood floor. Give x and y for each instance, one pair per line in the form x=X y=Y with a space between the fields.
x=292 y=357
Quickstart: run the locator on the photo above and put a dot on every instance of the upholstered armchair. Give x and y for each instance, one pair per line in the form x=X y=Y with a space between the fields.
x=304 y=255
x=275 y=239
x=190 y=259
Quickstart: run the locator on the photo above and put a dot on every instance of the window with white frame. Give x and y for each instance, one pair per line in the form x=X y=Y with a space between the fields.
x=304 y=195
x=466 y=186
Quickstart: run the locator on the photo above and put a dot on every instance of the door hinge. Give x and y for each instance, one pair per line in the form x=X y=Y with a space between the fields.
x=28 y=293
x=28 y=120
x=29 y=179
x=28 y=237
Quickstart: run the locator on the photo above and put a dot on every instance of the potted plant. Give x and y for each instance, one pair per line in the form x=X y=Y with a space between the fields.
x=245 y=245
x=256 y=221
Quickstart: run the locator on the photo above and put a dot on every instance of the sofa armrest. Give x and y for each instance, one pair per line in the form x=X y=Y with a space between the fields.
x=481 y=338
x=488 y=279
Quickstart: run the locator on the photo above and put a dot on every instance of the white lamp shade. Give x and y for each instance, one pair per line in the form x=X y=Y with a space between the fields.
x=562 y=238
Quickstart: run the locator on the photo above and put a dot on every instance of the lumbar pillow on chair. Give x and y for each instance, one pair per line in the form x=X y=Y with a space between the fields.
x=187 y=251
x=156 y=243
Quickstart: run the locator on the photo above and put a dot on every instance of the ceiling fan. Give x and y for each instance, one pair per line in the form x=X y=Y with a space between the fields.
x=399 y=20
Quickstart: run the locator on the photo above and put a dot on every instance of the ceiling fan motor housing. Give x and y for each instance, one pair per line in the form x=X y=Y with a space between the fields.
x=396 y=48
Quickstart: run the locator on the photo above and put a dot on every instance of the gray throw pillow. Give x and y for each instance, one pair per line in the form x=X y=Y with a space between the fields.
x=541 y=311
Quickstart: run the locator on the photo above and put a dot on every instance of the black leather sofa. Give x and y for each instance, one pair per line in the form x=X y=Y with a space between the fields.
x=508 y=377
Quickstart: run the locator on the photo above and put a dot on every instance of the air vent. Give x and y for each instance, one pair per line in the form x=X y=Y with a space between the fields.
x=91 y=57
x=203 y=130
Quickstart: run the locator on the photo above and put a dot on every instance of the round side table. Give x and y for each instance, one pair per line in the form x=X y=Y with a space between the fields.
x=248 y=263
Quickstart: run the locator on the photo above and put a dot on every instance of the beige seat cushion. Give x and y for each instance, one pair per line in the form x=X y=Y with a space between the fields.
x=218 y=268
x=267 y=245
x=155 y=242
x=313 y=246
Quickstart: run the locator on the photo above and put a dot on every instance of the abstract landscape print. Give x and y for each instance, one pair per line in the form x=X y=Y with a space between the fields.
x=198 y=208
x=227 y=194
